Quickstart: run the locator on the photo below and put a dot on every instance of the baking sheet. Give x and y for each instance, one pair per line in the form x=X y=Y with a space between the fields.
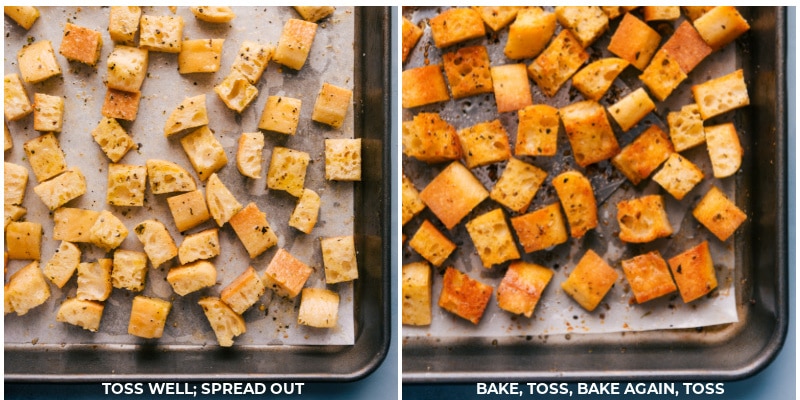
x=272 y=321
x=556 y=312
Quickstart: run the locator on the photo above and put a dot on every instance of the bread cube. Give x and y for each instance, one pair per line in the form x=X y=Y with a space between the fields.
x=108 y=232
x=225 y=322
x=156 y=240
x=8 y=143
x=94 y=280
x=587 y=23
x=248 y=154
x=213 y=14
x=306 y=211
x=724 y=149
x=127 y=68
x=204 y=151
x=411 y=202
x=331 y=105
x=280 y=114
x=129 y=270
x=12 y=213
x=286 y=275
x=60 y=268
x=339 y=259
x=48 y=112
x=200 y=55
x=643 y=219
x=416 y=289
x=643 y=156
x=720 y=26
x=590 y=135
x=168 y=177
x=456 y=25
x=295 y=43
x=720 y=95
x=112 y=139
x=431 y=244
x=634 y=41
x=253 y=230
x=678 y=176
x=411 y=35
x=148 y=317
x=252 y=60
x=424 y=85
x=318 y=308
x=453 y=193
x=45 y=156
x=188 y=209
x=631 y=109
x=577 y=198
x=540 y=229
x=15 y=181
x=126 y=185
x=162 y=33
x=222 y=205
x=512 y=91
x=522 y=287
x=594 y=80
x=24 y=16
x=468 y=71
x=430 y=139
x=81 y=44
x=498 y=17
x=343 y=159
x=492 y=238
x=529 y=33
x=612 y=11
x=687 y=47
x=694 y=273
x=557 y=63
x=686 y=127
x=191 y=113
x=719 y=214
x=37 y=62
x=15 y=99
x=662 y=75
x=236 y=91
x=121 y=105
x=83 y=313
x=199 y=246
x=464 y=296
x=73 y=224
x=287 y=170
x=123 y=23
x=648 y=275
x=590 y=281
x=191 y=277
x=661 y=13
x=60 y=190
x=484 y=143
x=517 y=185
x=314 y=14
x=26 y=289
x=694 y=12
x=24 y=240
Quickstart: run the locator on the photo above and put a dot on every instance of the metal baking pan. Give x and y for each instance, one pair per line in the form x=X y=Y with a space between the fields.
x=722 y=352
x=90 y=362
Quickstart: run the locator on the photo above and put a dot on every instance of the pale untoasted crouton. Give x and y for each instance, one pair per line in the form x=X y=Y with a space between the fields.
x=314 y=14
x=188 y=209
x=430 y=139
x=200 y=55
x=243 y=292
x=557 y=63
x=517 y=185
x=643 y=156
x=661 y=13
x=204 y=151
x=287 y=170
x=129 y=270
x=464 y=296
x=83 y=313
x=94 y=280
x=253 y=230
x=168 y=177
x=81 y=44
x=281 y=114
x=719 y=95
x=12 y=213
x=529 y=33
x=199 y=246
x=60 y=268
x=161 y=33
x=643 y=219
x=456 y=25
x=721 y=25
x=686 y=127
x=127 y=68
x=662 y=75
x=45 y=156
x=687 y=47
x=468 y=71
x=60 y=190
x=286 y=275
x=306 y=212
x=724 y=149
x=339 y=259
x=121 y=105
x=15 y=181
x=484 y=143
x=332 y=105
x=112 y=139
x=157 y=241
x=126 y=185
x=694 y=273
x=26 y=289
x=678 y=176
x=25 y=16
x=424 y=85
x=108 y=231
x=48 y=112
x=24 y=240
x=695 y=12
x=411 y=202
x=612 y=11
x=37 y=62
x=577 y=198
x=631 y=109
x=252 y=60
x=594 y=80
x=8 y=143
x=295 y=43
x=213 y=14
x=318 y=308
x=343 y=159
x=648 y=275
x=226 y=323
x=123 y=23
x=589 y=282
x=248 y=154
x=586 y=22
x=634 y=41
x=719 y=214
x=222 y=205
x=148 y=317
x=16 y=104
x=431 y=244
x=73 y=224
x=522 y=287
x=192 y=277
x=453 y=193
x=416 y=289
x=492 y=238
x=236 y=91
x=411 y=35
x=512 y=89
x=590 y=135
x=191 y=113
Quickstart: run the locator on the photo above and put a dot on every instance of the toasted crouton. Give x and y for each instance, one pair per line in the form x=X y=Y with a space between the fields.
x=540 y=229
x=286 y=275
x=631 y=109
x=411 y=35
x=73 y=224
x=191 y=113
x=424 y=85
x=590 y=134
x=517 y=185
x=643 y=156
x=16 y=104
x=529 y=33
x=724 y=149
x=331 y=105
x=634 y=41
x=492 y=238
x=339 y=259
x=586 y=22
x=721 y=25
x=662 y=75
x=590 y=281
x=484 y=143
x=643 y=219
x=694 y=273
x=431 y=244
x=121 y=105
x=249 y=154
x=45 y=156
x=537 y=131
x=295 y=43
x=287 y=170
x=253 y=230
x=15 y=181
x=719 y=214
x=343 y=159
x=687 y=47
x=722 y=94
x=123 y=23
x=464 y=296
x=678 y=176
x=522 y=287
x=48 y=112
x=456 y=25
x=686 y=127
x=314 y=13
x=416 y=287
x=557 y=63
x=243 y=292
x=577 y=198
x=306 y=211
x=126 y=184
x=25 y=16
x=648 y=275
x=188 y=209
x=594 y=80
x=148 y=317
x=467 y=71
x=411 y=202
x=81 y=44
x=430 y=139
x=112 y=139
x=127 y=68
x=37 y=62
x=24 y=240
x=512 y=89
x=453 y=193
x=213 y=14
x=200 y=55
